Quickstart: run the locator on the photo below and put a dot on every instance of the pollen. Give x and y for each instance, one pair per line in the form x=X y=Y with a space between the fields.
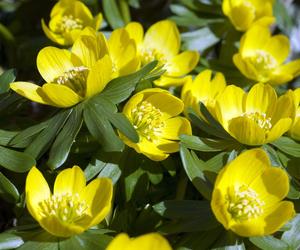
x=260 y=119
x=147 y=120
x=65 y=207
x=150 y=54
x=75 y=78
x=244 y=203
x=69 y=23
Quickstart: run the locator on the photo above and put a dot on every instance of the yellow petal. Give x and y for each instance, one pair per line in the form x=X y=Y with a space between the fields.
x=279 y=47
x=265 y=188
x=60 y=95
x=97 y=21
x=261 y=98
x=53 y=62
x=98 y=77
x=182 y=63
x=70 y=180
x=53 y=36
x=167 y=146
x=246 y=131
x=98 y=195
x=292 y=68
x=242 y=16
x=282 y=126
x=121 y=241
x=151 y=241
x=285 y=107
x=168 y=81
x=164 y=37
x=80 y=11
x=255 y=38
x=249 y=228
x=280 y=215
x=36 y=190
x=295 y=129
x=30 y=91
x=136 y=32
x=279 y=76
x=245 y=67
x=175 y=127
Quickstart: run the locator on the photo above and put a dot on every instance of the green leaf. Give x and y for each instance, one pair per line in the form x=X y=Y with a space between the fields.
x=120 y=89
x=283 y=18
x=192 y=167
x=292 y=236
x=10 y=241
x=61 y=147
x=6 y=136
x=287 y=145
x=15 y=161
x=5 y=79
x=43 y=141
x=8 y=191
x=269 y=243
x=101 y=129
x=112 y=14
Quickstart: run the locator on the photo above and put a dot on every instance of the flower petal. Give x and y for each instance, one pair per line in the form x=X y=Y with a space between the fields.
x=136 y=32
x=121 y=241
x=98 y=77
x=53 y=36
x=53 y=62
x=282 y=126
x=279 y=47
x=60 y=95
x=168 y=81
x=249 y=228
x=164 y=37
x=176 y=126
x=149 y=241
x=98 y=195
x=36 y=190
x=70 y=180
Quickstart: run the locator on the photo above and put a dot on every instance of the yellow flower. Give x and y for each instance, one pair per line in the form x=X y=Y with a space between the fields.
x=294 y=131
x=73 y=207
x=203 y=89
x=162 y=42
x=244 y=14
x=154 y=115
x=255 y=118
x=68 y=19
x=248 y=193
x=150 y=241
x=261 y=57
x=71 y=76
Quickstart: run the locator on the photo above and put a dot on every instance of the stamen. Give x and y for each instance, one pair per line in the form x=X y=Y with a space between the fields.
x=260 y=119
x=149 y=54
x=244 y=203
x=147 y=120
x=66 y=207
x=69 y=23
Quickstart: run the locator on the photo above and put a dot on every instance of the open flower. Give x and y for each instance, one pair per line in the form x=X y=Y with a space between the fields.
x=68 y=19
x=73 y=207
x=244 y=14
x=294 y=131
x=71 y=76
x=248 y=193
x=162 y=43
x=203 y=89
x=154 y=115
x=150 y=241
x=261 y=57
x=255 y=118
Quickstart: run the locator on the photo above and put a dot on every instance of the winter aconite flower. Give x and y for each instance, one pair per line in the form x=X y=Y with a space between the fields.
x=204 y=88
x=294 y=131
x=68 y=19
x=73 y=207
x=154 y=115
x=71 y=76
x=244 y=14
x=255 y=118
x=248 y=194
x=261 y=57
x=162 y=42
x=150 y=241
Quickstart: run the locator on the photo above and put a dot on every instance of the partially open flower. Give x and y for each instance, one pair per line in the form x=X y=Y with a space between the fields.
x=204 y=88
x=162 y=43
x=255 y=118
x=261 y=57
x=154 y=115
x=68 y=19
x=73 y=207
x=150 y=241
x=294 y=131
x=71 y=76
x=245 y=13
x=248 y=194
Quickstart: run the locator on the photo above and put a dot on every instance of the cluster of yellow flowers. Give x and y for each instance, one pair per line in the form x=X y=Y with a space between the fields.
x=244 y=198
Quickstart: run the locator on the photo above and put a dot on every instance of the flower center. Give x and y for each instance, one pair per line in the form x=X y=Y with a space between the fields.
x=75 y=78
x=66 y=207
x=69 y=23
x=244 y=203
x=150 y=54
x=147 y=120
x=260 y=119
